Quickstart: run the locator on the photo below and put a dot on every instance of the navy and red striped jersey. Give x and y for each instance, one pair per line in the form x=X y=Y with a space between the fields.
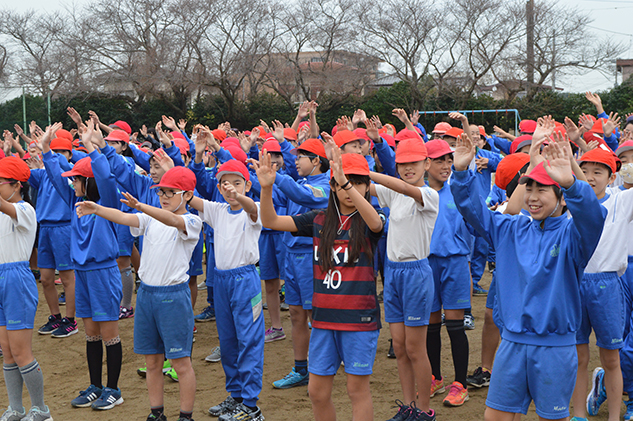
x=344 y=297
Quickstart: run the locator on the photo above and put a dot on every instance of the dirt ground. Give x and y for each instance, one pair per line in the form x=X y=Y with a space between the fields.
x=63 y=362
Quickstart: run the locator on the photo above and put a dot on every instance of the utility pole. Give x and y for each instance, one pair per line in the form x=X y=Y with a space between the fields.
x=529 y=12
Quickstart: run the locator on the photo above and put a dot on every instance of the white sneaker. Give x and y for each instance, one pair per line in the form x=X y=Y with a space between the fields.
x=215 y=356
x=202 y=285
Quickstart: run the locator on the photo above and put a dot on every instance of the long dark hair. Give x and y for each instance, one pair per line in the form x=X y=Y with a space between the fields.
x=357 y=240
x=90 y=188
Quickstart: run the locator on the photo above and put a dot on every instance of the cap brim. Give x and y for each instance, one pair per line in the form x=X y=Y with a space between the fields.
x=623 y=149
x=70 y=173
x=221 y=174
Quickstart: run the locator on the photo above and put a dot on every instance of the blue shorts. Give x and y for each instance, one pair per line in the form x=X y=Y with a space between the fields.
x=18 y=296
x=210 y=275
x=451 y=282
x=602 y=307
x=522 y=373
x=163 y=322
x=492 y=292
x=329 y=347
x=125 y=239
x=98 y=294
x=408 y=292
x=626 y=283
x=53 y=250
x=272 y=252
x=299 y=280
x=195 y=264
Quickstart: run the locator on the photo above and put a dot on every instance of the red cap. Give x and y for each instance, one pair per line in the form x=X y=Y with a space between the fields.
x=304 y=123
x=63 y=134
x=389 y=139
x=271 y=146
x=482 y=131
x=2 y=155
x=539 y=175
x=233 y=167
x=178 y=178
x=123 y=126
x=177 y=135
x=83 y=167
x=591 y=136
x=509 y=167
x=455 y=132
x=597 y=126
x=602 y=156
x=290 y=134
x=362 y=133
x=344 y=137
x=520 y=142
x=314 y=146
x=437 y=148
x=117 y=136
x=626 y=146
x=230 y=141
x=61 y=144
x=411 y=150
x=262 y=131
x=26 y=156
x=527 y=126
x=237 y=153
x=218 y=134
x=354 y=164
x=182 y=145
x=407 y=134
x=14 y=168
x=442 y=127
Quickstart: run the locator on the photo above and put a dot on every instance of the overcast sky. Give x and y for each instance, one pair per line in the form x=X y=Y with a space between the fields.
x=610 y=19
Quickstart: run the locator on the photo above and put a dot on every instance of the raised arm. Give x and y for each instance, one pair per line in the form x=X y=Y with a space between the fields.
x=91 y=208
x=266 y=175
x=396 y=185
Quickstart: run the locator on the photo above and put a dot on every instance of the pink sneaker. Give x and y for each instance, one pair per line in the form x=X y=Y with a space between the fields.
x=437 y=386
x=126 y=313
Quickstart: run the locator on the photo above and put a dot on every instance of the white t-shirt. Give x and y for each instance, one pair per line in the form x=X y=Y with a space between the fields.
x=235 y=235
x=17 y=236
x=612 y=252
x=166 y=250
x=410 y=223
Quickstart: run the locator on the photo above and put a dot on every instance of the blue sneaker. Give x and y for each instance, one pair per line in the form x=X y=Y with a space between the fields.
x=207 y=315
x=477 y=290
x=62 y=299
x=578 y=419
x=108 y=399
x=292 y=379
x=628 y=415
x=86 y=397
x=598 y=393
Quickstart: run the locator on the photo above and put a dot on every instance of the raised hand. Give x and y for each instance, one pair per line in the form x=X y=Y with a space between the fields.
x=34 y=163
x=343 y=123
x=464 y=153
x=535 y=152
x=595 y=100
x=372 y=131
x=170 y=123
x=401 y=114
x=44 y=141
x=74 y=115
x=609 y=126
x=264 y=125
x=414 y=117
x=278 y=131
x=143 y=130
x=18 y=129
x=162 y=136
x=376 y=120
x=544 y=128
x=557 y=164
x=266 y=174
x=336 y=166
x=302 y=134
x=304 y=110
x=182 y=123
x=358 y=117
x=586 y=121
x=94 y=116
x=164 y=160
x=130 y=201
x=201 y=141
x=328 y=144
x=457 y=116
x=482 y=163
x=86 y=208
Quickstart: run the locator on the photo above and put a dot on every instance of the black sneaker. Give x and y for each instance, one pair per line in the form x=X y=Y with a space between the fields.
x=227 y=406
x=404 y=411
x=243 y=413
x=50 y=326
x=480 y=378
x=391 y=353
x=153 y=417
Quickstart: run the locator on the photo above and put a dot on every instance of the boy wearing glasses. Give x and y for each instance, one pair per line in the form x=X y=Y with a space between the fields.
x=163 y=326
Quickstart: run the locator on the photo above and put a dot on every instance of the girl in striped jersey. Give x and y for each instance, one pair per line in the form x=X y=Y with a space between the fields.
x=345 y=310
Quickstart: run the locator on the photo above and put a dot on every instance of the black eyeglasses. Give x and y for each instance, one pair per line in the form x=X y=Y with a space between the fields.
x=168 y=194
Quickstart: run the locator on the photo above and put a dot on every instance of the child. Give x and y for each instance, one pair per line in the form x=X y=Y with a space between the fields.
x=450 y=246
x=163 y=327
x=345 y=309
x=408 y=275
x=544 y=257
x=237 y=291
x=601 y=294
x=94 y=250
x=53 y=249
x=18 y=302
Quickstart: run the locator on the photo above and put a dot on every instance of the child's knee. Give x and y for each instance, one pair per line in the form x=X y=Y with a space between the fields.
x=318 y=396
x=488 y=320
x=610 y=359
x=182 y=364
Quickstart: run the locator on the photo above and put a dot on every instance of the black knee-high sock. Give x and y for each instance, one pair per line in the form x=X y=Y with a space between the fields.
x=459 y=347
x=94 y=352
x=114 y=354
x=433 y=348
